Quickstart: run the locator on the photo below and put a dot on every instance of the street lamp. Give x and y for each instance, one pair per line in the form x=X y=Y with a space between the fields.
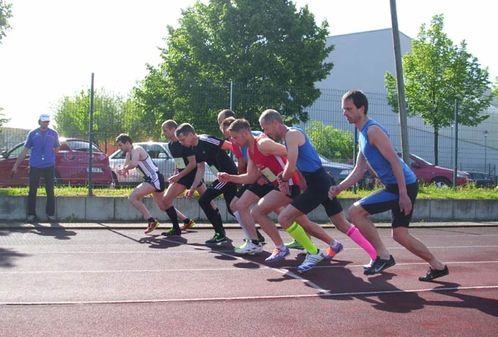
x=485 y=149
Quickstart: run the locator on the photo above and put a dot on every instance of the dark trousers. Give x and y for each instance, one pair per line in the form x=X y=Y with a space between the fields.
x=228 y=190
x=48 y=174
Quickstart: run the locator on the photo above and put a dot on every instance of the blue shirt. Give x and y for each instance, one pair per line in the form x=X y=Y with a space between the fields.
x=377 y=161
x=308 y=160
x=42 y=145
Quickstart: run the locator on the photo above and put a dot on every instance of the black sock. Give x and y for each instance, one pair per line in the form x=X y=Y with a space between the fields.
x=151 y=219
x=174 y=218
x=186 y=221
x=256 y=242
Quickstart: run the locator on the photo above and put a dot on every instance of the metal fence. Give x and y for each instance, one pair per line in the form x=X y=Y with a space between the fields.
x=477 y=146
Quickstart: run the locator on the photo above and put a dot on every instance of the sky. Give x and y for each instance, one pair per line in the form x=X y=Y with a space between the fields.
x=55 y=45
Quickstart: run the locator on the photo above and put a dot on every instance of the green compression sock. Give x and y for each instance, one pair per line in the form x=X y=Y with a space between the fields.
x=298 y=233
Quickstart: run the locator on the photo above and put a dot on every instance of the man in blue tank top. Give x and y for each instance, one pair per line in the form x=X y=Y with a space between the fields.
x=399 y=194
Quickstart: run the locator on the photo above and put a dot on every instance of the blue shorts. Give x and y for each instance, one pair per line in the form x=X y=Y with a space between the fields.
x=388 y=199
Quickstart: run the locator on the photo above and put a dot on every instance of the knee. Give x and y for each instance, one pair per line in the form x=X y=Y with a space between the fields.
x=234 y=205
x=355 y=213
x=400 y=236
x=256 y=213
x=204 y=202
x=284 y=219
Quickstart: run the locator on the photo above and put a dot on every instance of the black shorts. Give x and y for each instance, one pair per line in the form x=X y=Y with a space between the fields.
x=241 y=189
x=260 y=190
x=388 y=199
x=188 y=180
x=158 y=184
x=317 y=193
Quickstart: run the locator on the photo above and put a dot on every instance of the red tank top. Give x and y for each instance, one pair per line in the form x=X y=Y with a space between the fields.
x=270 y=166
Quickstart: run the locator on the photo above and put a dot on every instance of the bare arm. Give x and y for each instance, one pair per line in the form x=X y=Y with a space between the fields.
x=192 y=164
x=201 y=168
x=358 y=172
x=293 y=139
x=19 y=160
x=270 y=147
x=251 y=176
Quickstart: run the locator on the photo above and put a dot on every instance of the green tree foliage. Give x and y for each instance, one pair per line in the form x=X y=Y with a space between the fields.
x=495 y=88
x=272 y=52
x=437 y=73
x=2 y=118
x=5 y=15
x=331 y=142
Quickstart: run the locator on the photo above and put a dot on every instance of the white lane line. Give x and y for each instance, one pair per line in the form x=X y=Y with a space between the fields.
x=200 y=251
x=252 y=298
x=283 y=270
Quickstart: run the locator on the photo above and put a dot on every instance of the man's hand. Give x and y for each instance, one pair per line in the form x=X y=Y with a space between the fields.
x=13 y=172
x=173 y=179
x=223 y=177
x=283 y=186
x=190 y=193
x=334 y=191
x=122 y=171
x=405 y=204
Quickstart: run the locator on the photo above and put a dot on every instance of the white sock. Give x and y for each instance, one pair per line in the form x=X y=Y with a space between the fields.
x=239 y=220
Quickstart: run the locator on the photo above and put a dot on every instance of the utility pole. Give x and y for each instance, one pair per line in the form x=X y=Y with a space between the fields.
x=400 y=84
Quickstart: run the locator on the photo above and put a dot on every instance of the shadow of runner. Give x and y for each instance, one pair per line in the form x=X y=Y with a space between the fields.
x=8 y=256
x=157 y=242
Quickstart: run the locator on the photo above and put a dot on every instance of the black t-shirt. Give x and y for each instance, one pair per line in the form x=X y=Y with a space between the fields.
x=209 y=150
x=180 y=154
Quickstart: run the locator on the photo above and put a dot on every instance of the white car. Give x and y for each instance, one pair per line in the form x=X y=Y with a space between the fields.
x=160 y=155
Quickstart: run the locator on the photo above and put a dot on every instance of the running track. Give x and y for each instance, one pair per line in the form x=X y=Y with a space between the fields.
x=110 y=282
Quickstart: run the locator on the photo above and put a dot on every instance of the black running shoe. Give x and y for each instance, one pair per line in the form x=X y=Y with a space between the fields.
x=261 y=238
x=379 y=265
x=217 y=240
x=433 y=274
x=172 y=232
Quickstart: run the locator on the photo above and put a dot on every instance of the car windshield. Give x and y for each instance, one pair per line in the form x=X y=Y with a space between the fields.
x=422 y=160
x=81 y=145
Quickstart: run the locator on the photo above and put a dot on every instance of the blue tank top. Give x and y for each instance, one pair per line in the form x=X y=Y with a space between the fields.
x=308 y=160
x=377 y=161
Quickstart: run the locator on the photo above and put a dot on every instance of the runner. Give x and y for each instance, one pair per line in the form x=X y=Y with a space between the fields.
x=137 y=157
x=210 y=150
x=399 y=194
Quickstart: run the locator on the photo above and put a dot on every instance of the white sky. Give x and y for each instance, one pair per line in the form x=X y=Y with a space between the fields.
x=55 y=45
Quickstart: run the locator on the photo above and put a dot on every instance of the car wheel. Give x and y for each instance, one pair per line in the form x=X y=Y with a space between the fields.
x=441 y=182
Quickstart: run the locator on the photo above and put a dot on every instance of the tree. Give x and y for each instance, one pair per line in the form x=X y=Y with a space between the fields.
x=495 y=88
x=437 y=74
x=331 y=142
x=2 y=118
x=271 y=52
x=5 y=15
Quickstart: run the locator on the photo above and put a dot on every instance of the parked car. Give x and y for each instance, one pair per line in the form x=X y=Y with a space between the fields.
x=482 y=179
x=339 y=171
x=429 y=173
x=71 y=165
x=160 y=155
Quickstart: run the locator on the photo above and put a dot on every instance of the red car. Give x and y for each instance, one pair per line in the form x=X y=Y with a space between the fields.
x=432 y=174
x=71 y=165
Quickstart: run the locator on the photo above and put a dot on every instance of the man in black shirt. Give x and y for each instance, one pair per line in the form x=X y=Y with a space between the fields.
x=210 y=150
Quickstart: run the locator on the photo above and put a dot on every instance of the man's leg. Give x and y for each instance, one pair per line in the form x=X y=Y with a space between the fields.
x=269 y=203
x=49 y=176
x=359 y=216
x=173 y=191
x=213 y=215
x=34 y=180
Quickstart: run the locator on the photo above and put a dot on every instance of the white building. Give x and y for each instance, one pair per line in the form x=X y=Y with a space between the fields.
x=360 y=62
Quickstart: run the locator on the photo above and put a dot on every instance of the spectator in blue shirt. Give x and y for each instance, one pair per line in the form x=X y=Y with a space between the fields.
x=43 y=143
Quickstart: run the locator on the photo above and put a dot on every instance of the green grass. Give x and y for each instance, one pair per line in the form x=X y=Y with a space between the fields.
x=426 y=192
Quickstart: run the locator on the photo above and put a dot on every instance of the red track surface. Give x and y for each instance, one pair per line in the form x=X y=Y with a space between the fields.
x=56 y=282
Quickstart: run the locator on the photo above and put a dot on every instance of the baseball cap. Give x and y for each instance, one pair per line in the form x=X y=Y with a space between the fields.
x=44 y=118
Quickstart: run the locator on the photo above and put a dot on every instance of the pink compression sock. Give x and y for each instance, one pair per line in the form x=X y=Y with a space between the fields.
x=360 y=240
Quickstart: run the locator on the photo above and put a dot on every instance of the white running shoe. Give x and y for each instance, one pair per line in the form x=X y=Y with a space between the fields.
x=248 y=248
x=310 y=261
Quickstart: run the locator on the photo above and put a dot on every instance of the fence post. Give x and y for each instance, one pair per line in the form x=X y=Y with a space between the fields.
x=455 y=164
x=90 y=139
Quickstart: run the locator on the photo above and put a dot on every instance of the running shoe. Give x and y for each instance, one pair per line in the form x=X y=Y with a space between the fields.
x=310 y=261
x=368 y=265
x=330 y=252
x=261 y=238
x=172 y=232
x=434 y=273
x=294 y=245
x=379 y=265
x=153 y=224
x=277 y=255
x=217 y=240
x=188 y=225
x=248 y=248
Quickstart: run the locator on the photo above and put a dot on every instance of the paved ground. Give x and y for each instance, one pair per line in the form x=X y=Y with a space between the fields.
x=116 y=281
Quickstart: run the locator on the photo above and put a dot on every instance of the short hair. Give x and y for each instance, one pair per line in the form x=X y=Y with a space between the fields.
x=358 y=97
x=239 y=125
x=269 y=116
x=224 y=114
x=170 y=124
x=184 y=129
x=124 y=138
x=227 y=122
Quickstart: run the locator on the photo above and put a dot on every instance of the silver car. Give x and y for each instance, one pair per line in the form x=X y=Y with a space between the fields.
x=160 y=155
